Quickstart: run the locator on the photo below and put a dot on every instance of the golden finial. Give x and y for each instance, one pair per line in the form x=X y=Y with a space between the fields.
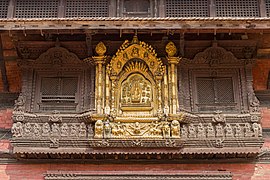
x=101 y=49
x=135 y=40
x=171 y=49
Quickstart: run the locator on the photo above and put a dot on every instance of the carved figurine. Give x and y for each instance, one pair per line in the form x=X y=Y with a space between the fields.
x=99 y=129
x=36 y=130
x=255 y=103
x=27 y=129
x=201 y=131
x=219 y=130
x=248 y=131
x=46 y=129
x=137 y=129
x=64 y=130
x=175 y=129
x=73 y=130
x=219 y=117
x=155 y=129
x=229 y=131
x=166 y=130
x=90 y=131
x=55 y=117
x=184 y=131
x=118 y=129
x=107 y=129
x=55 y=129
x=82 y=130
x=210 y=130
x=238 y=131
x=257 y=128
x=192 y=131
x=17 y=129
x=19 y=103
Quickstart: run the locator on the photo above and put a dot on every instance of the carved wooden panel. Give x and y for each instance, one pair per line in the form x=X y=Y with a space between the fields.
x=86 y=8
x=237 y=8
x=187 y=8
x=36 y=8
x=3 y=8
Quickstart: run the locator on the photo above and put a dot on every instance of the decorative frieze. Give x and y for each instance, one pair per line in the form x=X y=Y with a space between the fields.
x=209 y=131
x=47 y=130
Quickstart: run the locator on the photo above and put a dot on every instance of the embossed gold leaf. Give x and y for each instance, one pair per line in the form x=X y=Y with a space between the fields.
x=171 y=49
x=101 y=49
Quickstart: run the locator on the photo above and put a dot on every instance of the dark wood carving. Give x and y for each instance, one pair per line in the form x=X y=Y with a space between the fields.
x=229 y=126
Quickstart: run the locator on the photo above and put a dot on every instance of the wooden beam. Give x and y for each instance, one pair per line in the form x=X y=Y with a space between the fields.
x=3 y=67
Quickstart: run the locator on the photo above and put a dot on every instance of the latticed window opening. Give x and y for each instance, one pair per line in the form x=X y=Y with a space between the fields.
x=58 y=93
x=138 y=8
x=267 y=5
x=3 y=8
x=36 y=8
x=187 y=8
x=86 y=8
x=214 y=91
x=237 y=8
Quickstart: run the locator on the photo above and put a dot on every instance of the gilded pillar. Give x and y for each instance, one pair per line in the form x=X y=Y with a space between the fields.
x=107 y=91
x=166 y=93
x=100 y=61
x=173 y=61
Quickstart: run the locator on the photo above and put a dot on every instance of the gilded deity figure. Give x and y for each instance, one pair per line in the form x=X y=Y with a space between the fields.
x=136 y=92
x=99 y=129
x=175 y=129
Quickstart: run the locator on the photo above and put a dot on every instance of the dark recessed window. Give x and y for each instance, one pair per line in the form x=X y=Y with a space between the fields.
x=58 y=93
x=213 y=92
x=137 y=8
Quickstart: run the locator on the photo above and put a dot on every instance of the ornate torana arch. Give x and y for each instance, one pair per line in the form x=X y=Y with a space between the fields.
x=135 y=98
x=136 y=50
x=139 y=60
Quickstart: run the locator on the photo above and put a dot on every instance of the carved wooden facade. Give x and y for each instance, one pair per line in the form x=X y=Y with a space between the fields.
x=136 y=104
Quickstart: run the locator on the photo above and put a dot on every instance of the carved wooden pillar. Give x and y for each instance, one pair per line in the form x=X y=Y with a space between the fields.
x=173 y=61
x=100 y=60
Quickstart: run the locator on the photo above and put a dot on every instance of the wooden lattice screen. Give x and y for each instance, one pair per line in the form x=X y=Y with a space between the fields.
x=36 y=8
x=3 y=8
x=86 y=8
x=237 y=8
x=187 y=8
x=215 y=91
x=267 y=5
x=58 y=93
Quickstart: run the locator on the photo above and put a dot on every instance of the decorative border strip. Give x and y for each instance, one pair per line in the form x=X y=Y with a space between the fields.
x=192 y=175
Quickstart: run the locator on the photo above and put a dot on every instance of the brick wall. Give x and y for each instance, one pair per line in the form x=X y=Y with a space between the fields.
x=260 y=74
x=5 y=119
x=35 y=171
x=12 y=70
